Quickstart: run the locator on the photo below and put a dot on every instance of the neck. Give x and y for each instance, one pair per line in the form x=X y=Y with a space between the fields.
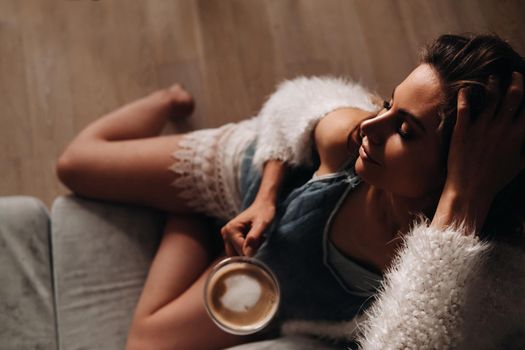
x=395 y=213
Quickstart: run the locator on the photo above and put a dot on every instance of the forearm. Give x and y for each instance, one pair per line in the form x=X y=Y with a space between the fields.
x=274 y=172
x=457 y=207
x=427 y=286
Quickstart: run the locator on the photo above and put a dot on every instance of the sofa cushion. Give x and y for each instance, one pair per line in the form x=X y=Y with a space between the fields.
x=102 y=252
x=27 y=316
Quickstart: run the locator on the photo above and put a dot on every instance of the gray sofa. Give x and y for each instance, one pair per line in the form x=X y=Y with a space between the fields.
x=70 y=279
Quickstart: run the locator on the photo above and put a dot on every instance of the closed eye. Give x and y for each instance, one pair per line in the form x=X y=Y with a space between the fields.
x=403 y=133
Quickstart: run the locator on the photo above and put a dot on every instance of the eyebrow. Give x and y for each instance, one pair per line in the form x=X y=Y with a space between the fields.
x=409 y=115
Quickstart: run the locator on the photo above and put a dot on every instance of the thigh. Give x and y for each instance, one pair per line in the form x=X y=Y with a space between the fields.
x=135 y=171
x=185 y=252
x=171 y=312
x=185 y=324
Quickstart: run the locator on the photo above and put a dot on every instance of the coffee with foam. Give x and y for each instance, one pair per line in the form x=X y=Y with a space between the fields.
x=241 y=295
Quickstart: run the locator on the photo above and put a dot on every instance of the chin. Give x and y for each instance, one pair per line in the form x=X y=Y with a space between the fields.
x=361 y=171
x=366 y=175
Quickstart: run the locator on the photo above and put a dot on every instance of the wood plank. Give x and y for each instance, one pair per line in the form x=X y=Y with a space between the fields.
x=65 y=63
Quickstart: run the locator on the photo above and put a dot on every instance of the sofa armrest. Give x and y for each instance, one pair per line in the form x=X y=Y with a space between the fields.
x=101 y=252
x=27 y=315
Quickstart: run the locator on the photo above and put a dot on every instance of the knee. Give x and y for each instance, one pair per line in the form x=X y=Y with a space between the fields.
x=69 y=170
x=65 y=169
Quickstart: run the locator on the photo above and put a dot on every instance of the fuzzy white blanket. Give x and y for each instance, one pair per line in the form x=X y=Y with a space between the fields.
x=446 y=290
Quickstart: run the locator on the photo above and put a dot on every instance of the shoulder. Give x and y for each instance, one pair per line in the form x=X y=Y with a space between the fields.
x=331 y=136
x=335 y=127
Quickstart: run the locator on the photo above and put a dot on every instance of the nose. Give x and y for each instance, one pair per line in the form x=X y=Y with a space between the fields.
x=375 y=128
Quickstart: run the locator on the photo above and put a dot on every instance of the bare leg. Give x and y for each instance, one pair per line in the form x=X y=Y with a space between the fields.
x=142 y=118
x=170 y=313
x=120 y=156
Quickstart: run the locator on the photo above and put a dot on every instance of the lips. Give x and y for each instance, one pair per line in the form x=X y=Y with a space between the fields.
x=365 y=155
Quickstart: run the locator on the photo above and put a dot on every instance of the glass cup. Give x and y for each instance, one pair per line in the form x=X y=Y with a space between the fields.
x=241 y=295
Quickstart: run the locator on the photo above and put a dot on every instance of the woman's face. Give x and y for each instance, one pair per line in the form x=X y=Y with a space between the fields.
x=402 y=142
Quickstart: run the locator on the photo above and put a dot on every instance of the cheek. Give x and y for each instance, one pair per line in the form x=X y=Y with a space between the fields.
x=413 y=180
x=416 y=174
x=411 y=173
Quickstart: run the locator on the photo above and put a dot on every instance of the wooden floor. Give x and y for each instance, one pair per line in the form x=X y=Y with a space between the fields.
x=63 y=63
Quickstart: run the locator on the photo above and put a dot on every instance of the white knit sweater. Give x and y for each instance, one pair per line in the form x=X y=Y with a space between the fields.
x=446 y=289
x=287 y=120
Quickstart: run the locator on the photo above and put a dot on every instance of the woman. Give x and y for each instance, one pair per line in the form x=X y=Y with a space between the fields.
x=376 y=170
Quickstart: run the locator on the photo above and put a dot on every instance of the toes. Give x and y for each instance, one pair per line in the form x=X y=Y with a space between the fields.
x=182 y=100
x=180 y=94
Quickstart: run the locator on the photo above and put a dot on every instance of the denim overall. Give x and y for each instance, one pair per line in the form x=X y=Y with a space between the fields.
x=295 y=246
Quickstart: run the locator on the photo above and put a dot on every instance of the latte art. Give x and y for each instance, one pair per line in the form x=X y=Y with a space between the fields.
x=241 y=295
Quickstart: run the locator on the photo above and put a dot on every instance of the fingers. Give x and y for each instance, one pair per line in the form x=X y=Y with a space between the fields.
x=493 y=98
x=463 y=111
x=236 y=244
x=233 y=245
x=469 y=108
x=500 y=108
x=512 y=111
x=243 y=234
x=253 y=240
x=229 y=249
x=233 y=237
x=513 y=97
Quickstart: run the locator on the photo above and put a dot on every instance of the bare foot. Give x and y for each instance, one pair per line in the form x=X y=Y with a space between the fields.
x=183 y=103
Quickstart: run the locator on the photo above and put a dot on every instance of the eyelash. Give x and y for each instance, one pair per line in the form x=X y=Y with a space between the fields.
x=404 y=135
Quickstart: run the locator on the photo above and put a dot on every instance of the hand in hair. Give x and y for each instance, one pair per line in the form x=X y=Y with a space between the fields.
x=485 y=152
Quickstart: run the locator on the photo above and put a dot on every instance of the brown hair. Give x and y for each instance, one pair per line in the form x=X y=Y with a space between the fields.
x=467 y=61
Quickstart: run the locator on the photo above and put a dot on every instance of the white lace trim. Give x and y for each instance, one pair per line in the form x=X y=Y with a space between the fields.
x=207 y=164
